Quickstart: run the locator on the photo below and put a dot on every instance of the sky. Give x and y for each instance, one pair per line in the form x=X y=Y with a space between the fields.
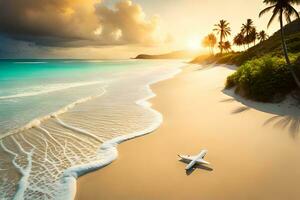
x=109 y=29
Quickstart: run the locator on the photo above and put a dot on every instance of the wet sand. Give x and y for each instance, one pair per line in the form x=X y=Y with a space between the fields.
x=254 y=148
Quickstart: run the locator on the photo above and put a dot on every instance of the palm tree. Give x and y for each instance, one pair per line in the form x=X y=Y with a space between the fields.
x=239 y=39
x=253 y=35
x=210 y=41
x=223 y=30
x=227 y=46
x=246 y=29
x=221 y=46
x=280 y=8
x=205 y=42
x=262 y=36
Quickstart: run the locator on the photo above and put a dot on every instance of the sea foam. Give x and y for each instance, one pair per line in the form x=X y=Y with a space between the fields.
x=109 y=148
x=48 y=88
x=38 y=121
x=65 y=145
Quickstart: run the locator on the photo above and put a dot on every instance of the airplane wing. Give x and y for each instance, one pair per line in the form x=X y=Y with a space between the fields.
x=187 y=158
x=202 y=154
x=190 y=158
x=201 y=161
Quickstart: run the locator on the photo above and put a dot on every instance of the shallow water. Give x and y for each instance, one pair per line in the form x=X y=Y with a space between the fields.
x=56 y=114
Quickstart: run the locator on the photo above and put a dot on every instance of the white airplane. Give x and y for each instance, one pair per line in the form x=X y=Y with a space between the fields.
x=198 y=159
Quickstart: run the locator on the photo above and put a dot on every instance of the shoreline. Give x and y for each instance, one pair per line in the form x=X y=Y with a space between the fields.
x=106 y=152
x=147 y=167
x=110 y=147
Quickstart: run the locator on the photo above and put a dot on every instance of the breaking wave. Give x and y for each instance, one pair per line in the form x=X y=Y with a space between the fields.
x=43 y=159
x=33 y=91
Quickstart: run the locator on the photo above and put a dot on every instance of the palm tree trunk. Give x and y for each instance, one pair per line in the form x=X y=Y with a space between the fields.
x=247 y=36
x=221 y=43
x=286 y=52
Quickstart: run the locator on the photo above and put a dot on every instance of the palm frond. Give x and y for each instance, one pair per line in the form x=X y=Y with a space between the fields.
x=265 y=10
x=295 y=12
x=287 y=17
x=275 y=13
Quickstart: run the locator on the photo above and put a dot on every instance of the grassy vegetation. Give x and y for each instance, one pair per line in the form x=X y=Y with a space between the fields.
x=263 y=74
x=264 y=79
x=227 y=58
x=271 y=46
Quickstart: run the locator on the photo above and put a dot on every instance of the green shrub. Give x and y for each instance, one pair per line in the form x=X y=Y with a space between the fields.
x=231 y=81
x=263 y=79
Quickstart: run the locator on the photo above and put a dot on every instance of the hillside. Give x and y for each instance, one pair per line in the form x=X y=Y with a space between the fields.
x=172 y=55
x=270 y=46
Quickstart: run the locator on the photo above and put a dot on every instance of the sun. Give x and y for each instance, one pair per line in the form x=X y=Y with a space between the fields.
x=194 y=43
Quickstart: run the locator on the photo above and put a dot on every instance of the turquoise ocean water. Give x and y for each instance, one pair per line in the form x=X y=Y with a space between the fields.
x=62 y=118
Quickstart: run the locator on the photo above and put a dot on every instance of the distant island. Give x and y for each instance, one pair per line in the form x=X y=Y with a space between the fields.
x=183 y=54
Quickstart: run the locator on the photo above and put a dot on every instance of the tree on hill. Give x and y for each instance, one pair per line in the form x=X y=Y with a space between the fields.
x=239 y=39
x=280 y=9
x=222 y=29
x=227 y=46
x=210 y=41
x=262 y=36
x=253 y=36
x=246 y=29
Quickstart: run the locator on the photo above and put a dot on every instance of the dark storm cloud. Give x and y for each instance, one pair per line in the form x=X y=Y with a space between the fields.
x=77 y=23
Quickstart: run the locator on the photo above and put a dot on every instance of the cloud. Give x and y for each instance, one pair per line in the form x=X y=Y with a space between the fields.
x=76 y=23
x=126 y=23
x=21 y=49
x=47 y=21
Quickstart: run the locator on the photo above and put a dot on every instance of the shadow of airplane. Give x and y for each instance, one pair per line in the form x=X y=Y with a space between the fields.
x=196 y=166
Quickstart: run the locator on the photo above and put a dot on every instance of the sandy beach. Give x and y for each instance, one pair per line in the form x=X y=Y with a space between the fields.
x=254 y=152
